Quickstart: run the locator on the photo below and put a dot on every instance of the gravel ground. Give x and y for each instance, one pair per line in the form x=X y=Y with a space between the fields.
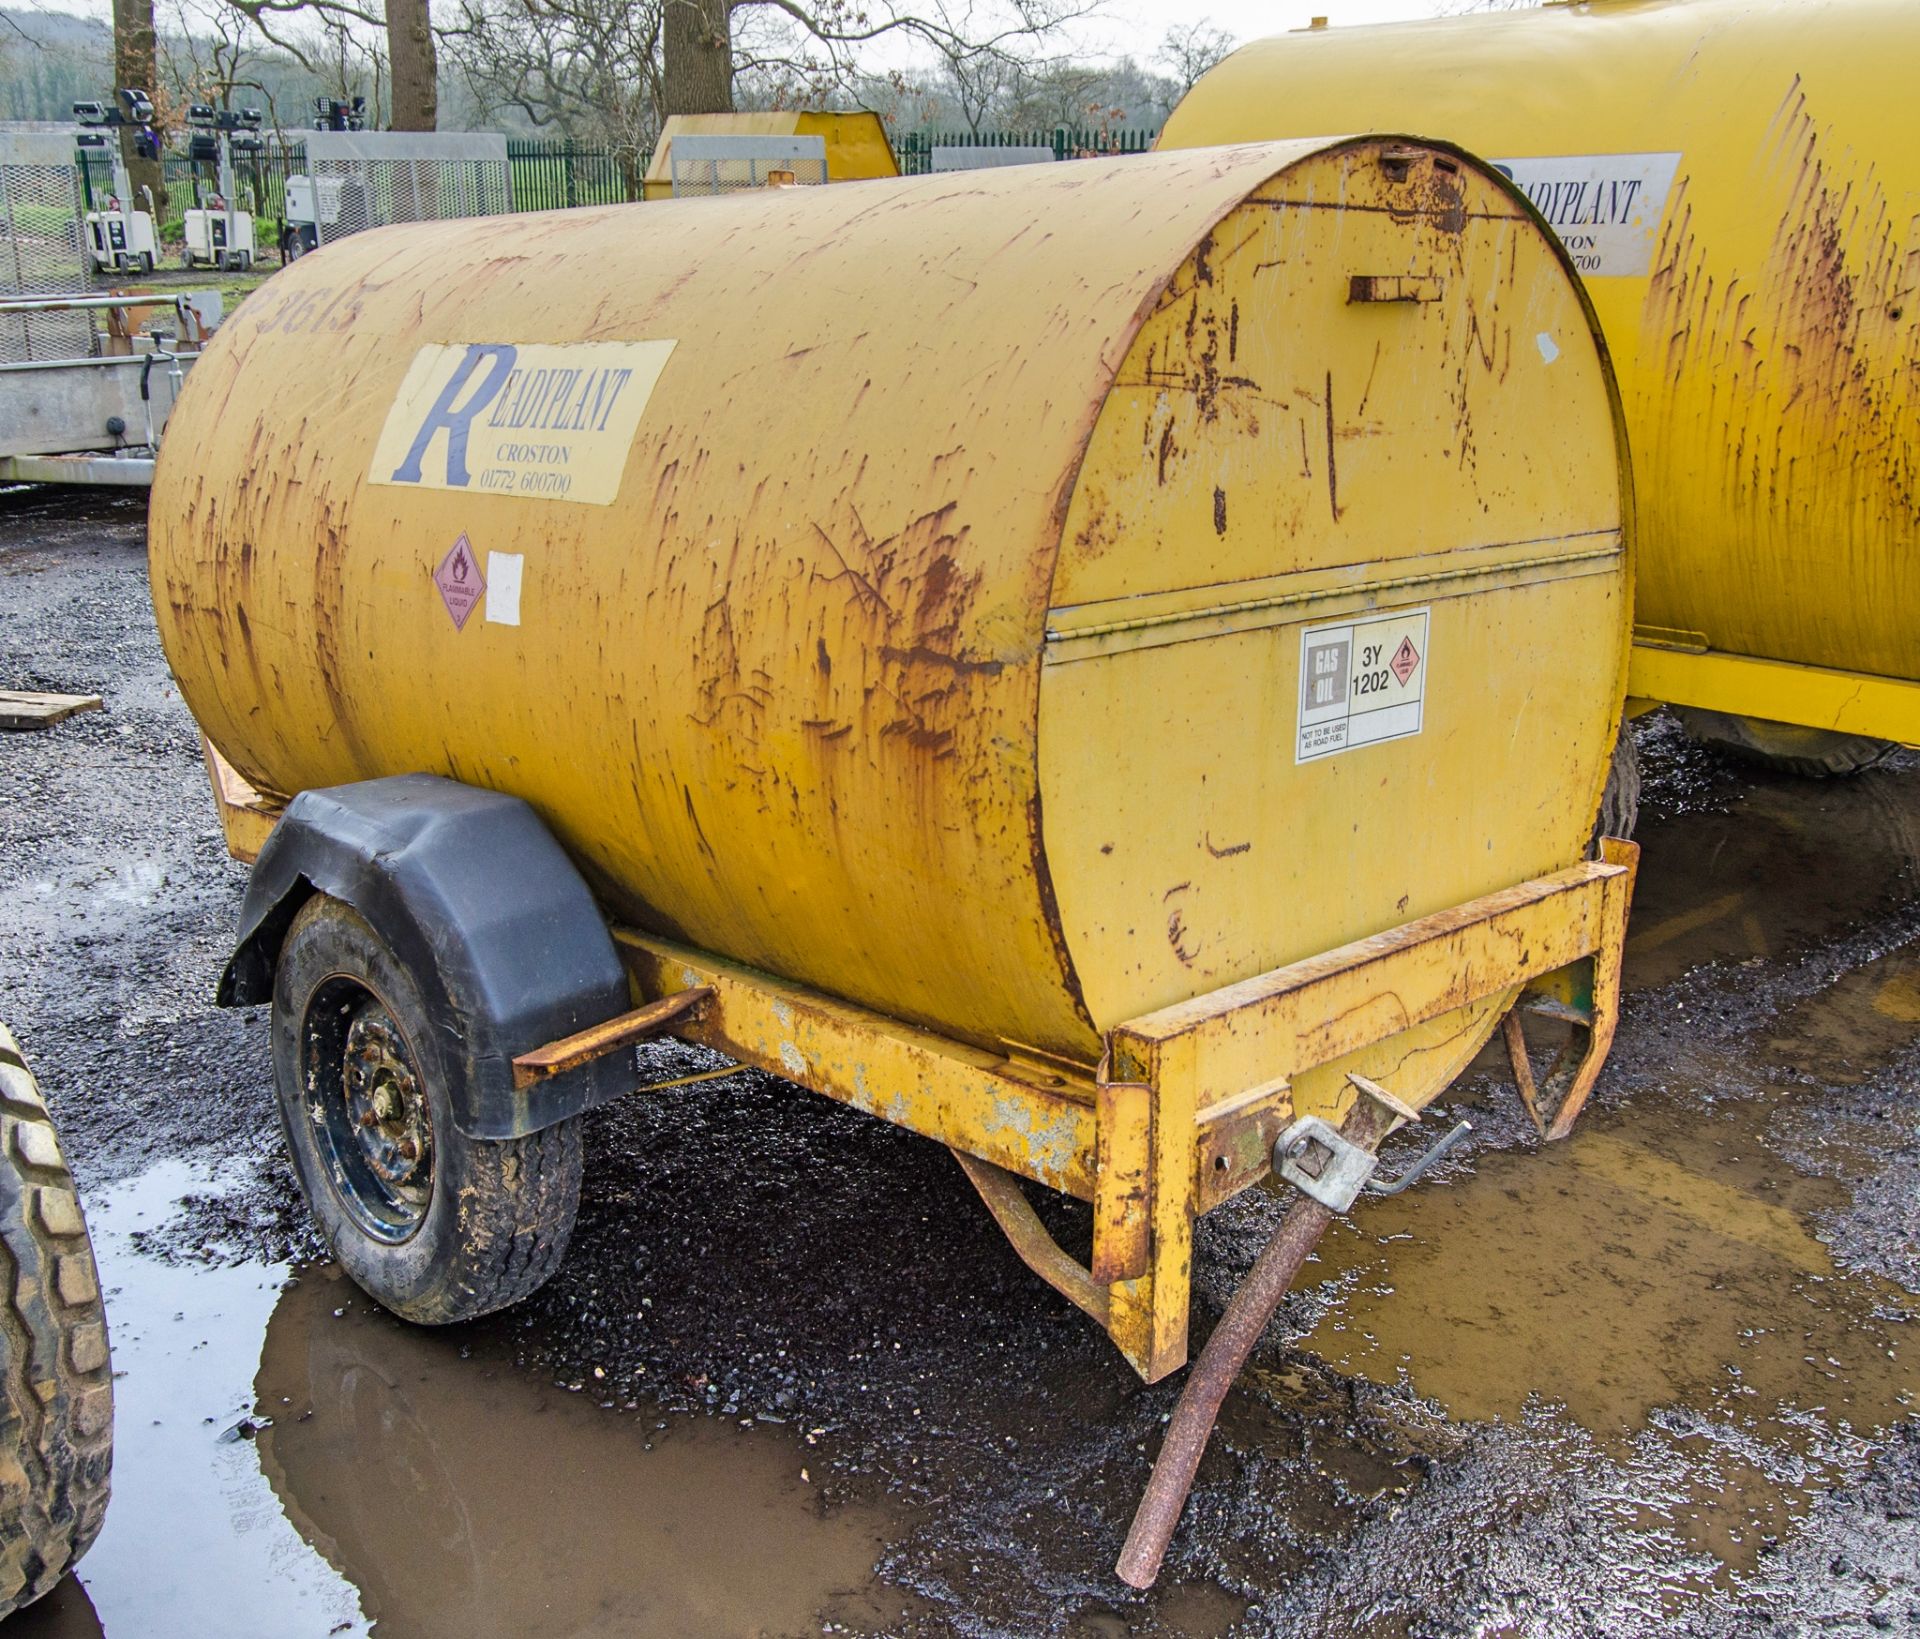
x=747 y=1251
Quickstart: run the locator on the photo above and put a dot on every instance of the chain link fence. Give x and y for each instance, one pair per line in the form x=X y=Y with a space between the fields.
x=370 y=177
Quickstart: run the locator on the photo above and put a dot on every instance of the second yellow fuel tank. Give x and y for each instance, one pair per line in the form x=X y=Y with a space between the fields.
x=1739 y=183
x=1012 y=601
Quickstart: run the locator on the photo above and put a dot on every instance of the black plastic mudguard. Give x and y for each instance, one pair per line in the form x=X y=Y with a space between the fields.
x=469 y=890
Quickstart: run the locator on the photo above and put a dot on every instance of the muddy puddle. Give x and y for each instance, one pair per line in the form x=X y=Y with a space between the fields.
x=1681 y=1285
x=292 y=1461
x=1777 y=867
x=1652 y=1262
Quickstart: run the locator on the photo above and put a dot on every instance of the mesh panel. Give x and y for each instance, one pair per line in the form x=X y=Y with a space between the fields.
x=43 y=256
x=368 y=179
x=987 y=159
x=706 y=166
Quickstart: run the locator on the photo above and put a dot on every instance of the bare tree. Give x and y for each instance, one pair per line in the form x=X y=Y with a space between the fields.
x=611 y=70
x=1188 y=51
x=340 y=43
x=981 y=85
x=208 y=55
x=819 y=46
x=1061 y=93
x=589 y=68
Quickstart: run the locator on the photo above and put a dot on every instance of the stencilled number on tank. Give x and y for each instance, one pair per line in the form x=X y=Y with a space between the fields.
x=1362 y=683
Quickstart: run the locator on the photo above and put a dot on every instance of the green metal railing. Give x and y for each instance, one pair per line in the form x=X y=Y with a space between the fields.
x=914 y=149
x=550 y=175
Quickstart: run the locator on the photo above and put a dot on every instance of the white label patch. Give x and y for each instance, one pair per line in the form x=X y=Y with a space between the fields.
x=1361 y=683
x=550 y=421
x=503 y=587
x=1605 y=207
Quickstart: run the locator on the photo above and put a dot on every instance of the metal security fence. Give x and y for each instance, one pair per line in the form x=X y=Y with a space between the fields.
x=915 y=149
x=366 y=179
x=262 y=177
x=41 y=211
x=513 y=174
x=554 y=175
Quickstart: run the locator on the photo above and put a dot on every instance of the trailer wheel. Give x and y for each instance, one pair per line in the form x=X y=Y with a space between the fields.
x=56 y=1401
x=1620 y=801
x=1785 y=748
x=436 y=1226
x=146 y=261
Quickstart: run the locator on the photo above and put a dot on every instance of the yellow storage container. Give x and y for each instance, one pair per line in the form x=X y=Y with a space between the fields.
x=856 y=143
x=1736 y=180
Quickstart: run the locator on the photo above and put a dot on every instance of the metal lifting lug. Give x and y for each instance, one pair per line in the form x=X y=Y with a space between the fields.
x=1313 y=1157
x=1316 y=1159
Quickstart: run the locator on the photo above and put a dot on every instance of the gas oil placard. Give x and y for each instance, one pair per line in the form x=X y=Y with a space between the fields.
x=551 y=421
x=1606 y=208
x=1362 y=682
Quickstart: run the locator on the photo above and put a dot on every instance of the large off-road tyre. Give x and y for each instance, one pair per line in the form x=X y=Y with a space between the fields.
x=1620 y=802
x=433 y=1225
x=56 y=1406
x=1784 y=748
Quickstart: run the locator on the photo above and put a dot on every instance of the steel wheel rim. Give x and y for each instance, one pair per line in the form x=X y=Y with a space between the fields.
x=365 y=1101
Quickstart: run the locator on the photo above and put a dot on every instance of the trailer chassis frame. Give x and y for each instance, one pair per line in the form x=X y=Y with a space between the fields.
x=1183 y=1111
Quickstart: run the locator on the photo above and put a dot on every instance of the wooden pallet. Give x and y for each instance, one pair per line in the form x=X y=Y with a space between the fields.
x=21 y=711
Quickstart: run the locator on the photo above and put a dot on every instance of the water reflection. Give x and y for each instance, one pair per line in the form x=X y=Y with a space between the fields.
x=460 y=1497
x=291 y=1461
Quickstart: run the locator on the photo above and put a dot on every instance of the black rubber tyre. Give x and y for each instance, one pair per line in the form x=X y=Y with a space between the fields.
x=1620 y=802
x=56 y=1407
x=453 y=1228
x=1785 y=748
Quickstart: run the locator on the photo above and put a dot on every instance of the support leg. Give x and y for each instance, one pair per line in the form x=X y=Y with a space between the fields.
x=1221 y=1360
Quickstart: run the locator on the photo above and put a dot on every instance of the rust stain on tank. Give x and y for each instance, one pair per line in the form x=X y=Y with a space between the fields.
x=1813 y=356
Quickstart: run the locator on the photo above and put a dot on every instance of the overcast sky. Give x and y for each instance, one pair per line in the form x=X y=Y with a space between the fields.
x=1136 y=27
x=1131 y=28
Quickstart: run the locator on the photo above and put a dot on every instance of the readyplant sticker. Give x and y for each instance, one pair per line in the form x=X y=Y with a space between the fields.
x=549 y=421
x=1606 y=208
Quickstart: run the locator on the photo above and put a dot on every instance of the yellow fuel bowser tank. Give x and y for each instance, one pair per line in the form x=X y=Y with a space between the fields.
x=1738 y=182
x=1080 y=661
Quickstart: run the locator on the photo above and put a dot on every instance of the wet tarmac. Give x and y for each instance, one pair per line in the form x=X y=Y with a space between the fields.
x=1659 y=1379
